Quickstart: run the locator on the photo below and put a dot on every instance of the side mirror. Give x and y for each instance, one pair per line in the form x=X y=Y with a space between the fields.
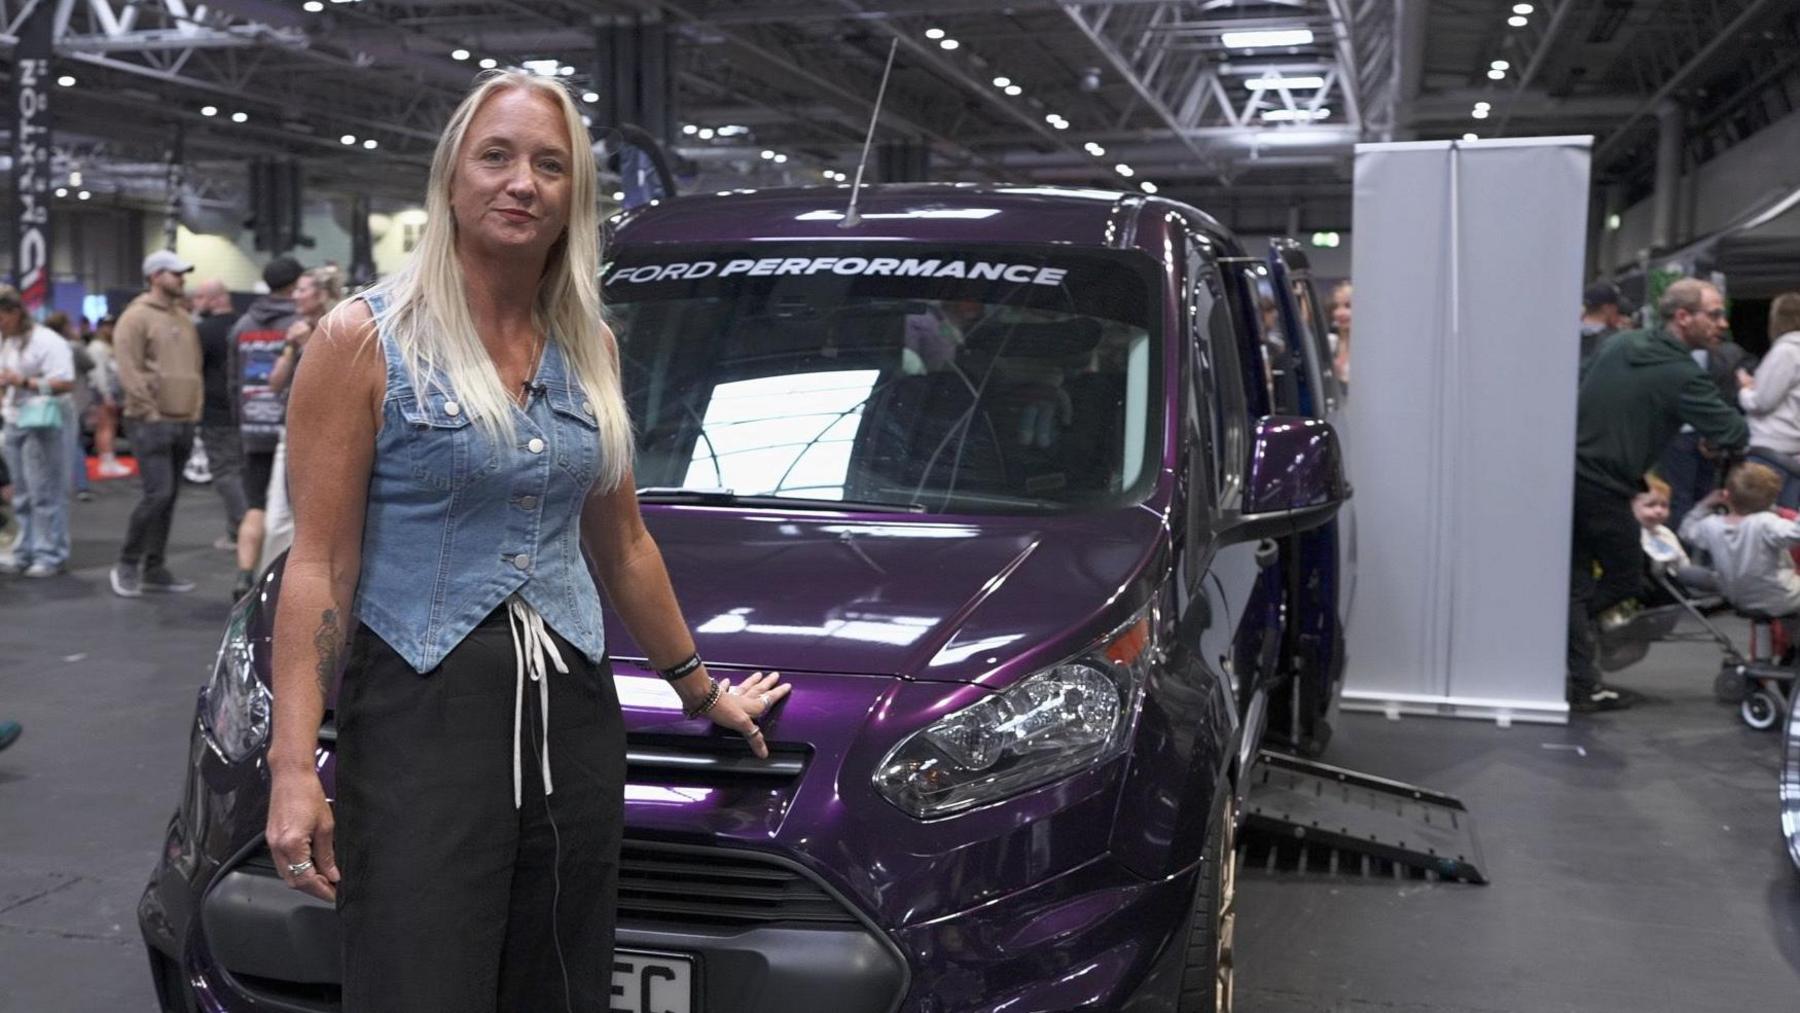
x=1296 y=479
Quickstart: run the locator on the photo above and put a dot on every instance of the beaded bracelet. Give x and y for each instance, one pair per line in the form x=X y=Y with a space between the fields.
x=671 y=674
x=712 y=697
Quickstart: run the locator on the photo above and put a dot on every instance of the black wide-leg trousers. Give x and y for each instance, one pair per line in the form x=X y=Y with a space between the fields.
x=452 y=900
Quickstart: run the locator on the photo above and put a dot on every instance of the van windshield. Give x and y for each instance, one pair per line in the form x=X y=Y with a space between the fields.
x=997 y=380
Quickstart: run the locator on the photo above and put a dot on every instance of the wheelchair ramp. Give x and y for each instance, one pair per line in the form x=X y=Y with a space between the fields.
x=1305 y=816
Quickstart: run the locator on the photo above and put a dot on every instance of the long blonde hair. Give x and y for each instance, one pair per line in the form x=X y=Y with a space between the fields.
x=426 y=314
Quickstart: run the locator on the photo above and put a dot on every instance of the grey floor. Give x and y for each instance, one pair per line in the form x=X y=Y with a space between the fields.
x=1639 y=872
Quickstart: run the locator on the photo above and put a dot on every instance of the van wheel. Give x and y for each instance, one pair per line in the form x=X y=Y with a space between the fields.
x=1207 y=976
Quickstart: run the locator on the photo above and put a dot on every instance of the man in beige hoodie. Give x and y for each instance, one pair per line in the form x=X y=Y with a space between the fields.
x=156 y=351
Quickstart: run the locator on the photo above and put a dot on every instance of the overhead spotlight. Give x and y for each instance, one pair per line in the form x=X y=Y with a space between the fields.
x=1270 y=39
x=1471 y=137
x=1014 y=90
x=62 y=191
x=706 y=133
x=949 y=43
x=1496 y=75
x=686 y=128
x=1090 y=79
x=1479 y=113
x=779 y=159
x=1294 y=115
x=66 y=81
x=1123 y=169
x=618 y=195
x=312 y=6
x=347 y=139
x=1523 y=8
x=1147 y=186
x=209 y=110
x=934 y=33
x=459 y=54
x=1518 y=21
x=767 y=154
x=1095 y=150
x=1054 y=118
x=1500 y=65
x=83 y=195
x=239 y=117
x=1484 y=104
x=565 y=71
x=1001 y=82
x=590 y=97
x=733 y=130
x=1289 y=83
x=489 y=63
x=370 y=144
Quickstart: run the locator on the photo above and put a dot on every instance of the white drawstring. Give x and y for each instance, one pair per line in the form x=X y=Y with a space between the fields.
x=530 y=641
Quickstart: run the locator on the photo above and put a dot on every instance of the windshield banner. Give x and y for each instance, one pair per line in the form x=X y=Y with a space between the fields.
x=849 y=267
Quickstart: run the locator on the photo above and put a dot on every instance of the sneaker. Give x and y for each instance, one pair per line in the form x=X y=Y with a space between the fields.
x=1596 y=699
x=43 y=570
x=111 y=469
x=225 y=543
x=125 y=581
x=161 y=581
x=9 y=733
x=10 y=566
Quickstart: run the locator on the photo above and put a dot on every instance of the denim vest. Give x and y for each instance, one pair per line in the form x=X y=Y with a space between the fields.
x=457 y=522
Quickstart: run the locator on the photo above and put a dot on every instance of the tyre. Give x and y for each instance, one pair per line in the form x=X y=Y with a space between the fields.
x=1790 y=787
x=1208 y=971
x=1760 y=710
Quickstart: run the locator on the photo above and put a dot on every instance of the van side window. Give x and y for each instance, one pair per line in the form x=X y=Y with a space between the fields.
x=1218 y=377
x=1312 y=321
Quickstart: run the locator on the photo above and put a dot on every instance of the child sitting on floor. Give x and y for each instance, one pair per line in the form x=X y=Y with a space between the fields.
x=1749 y=543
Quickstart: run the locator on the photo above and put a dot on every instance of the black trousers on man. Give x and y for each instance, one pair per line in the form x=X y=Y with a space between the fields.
x=1607 y=535
x=161 y=450
x=451 y=900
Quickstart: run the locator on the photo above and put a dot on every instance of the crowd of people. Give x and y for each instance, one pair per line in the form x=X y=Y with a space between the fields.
x=174 y=365
x=1678 y=420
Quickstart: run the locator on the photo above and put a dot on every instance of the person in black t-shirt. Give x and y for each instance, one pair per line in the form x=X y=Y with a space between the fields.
x=218 y=423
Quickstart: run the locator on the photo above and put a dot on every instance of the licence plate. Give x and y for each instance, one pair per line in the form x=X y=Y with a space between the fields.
x=644 y=982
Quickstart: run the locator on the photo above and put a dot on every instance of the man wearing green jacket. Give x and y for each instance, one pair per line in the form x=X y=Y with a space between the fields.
x=1636 y=394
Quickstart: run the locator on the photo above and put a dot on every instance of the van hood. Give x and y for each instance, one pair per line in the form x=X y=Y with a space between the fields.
x=901 y=596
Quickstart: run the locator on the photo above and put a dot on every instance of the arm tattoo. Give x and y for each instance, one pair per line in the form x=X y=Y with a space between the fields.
x=328 y=645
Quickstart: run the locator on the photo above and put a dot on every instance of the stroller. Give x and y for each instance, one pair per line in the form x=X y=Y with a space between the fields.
x=1758 y=679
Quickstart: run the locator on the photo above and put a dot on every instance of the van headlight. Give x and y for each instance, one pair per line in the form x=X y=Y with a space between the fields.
x=1050 y=725
x=234 y=704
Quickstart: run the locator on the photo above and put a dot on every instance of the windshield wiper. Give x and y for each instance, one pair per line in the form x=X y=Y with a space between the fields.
x=726 y=497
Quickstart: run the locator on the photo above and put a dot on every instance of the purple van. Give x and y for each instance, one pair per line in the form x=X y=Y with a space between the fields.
x=1015 y=489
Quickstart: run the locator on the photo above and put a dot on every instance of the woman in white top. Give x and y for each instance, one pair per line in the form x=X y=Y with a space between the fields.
x=1771 y=398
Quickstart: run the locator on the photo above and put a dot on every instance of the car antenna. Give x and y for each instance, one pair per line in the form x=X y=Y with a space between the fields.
x=851 y=218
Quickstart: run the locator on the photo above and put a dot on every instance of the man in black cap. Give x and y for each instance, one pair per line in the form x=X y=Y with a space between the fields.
x=256 y=343
x=1600 y=317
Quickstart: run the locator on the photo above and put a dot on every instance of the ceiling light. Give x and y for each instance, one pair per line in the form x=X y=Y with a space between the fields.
x=1001 y=82
x=1268 y=39
x=686 y=128
x=1147 y=186
x=1613 y=222
x=312 y=6
x=1094 y=149
x=618 y=195
x=766 y=153
x=1484 y=104
x=1523 y=8
x=83 y=195
x=780 y=159
x=706 y=133
x=239 y=117
x=459 y=54
x=1013 y=89
x=542 y=68
x=732 y=130
x=934 y=33
x=489 y=63
x=67 y=81
x=1471 y=137
x=565 y=71
x=347 y=139
x=1122 y=169
x=62 y=191
x=1518 y=21
x=590 y=97
x=370 y=144
x=1289 y=83
x=1500 y=65
x=949 y=43
x=1295 y=115
x=1496 y=75
x=209 y=110
x=1479 y=113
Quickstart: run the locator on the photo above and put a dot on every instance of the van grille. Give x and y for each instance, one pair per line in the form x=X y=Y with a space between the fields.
x=705 y=886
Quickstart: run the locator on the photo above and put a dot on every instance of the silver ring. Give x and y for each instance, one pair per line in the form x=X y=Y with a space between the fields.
x=295 y=870
x=755 y=731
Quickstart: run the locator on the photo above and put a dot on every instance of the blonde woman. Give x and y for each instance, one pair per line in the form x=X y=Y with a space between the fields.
x=458 y=439
x=317 y=293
